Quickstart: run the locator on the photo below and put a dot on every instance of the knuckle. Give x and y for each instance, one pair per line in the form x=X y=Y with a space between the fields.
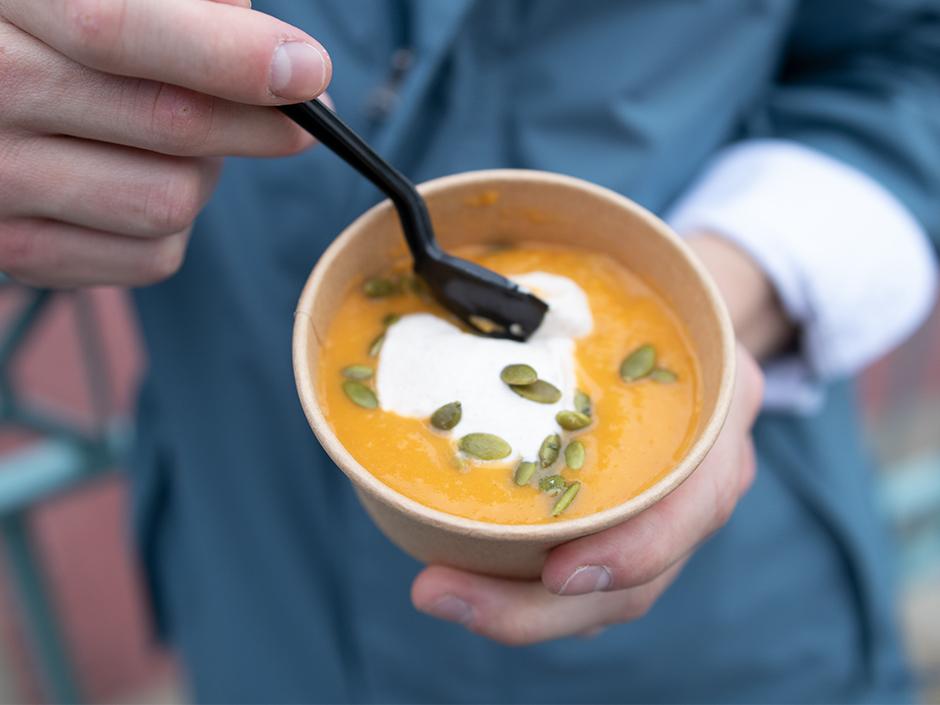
x=753 y=380
x=18 y=78
x=292 y=138
x=648 y=564
x=173 y=204
x=15 y=248
x=724 y=509
x=637 y=607
x=10 y=68
x=508 y=631
x=298 y=141
x=644 y=564
x=165 y=260
x=513 y=636
x=93 y=28
x=750 y=463
x=21 y=253
x=180 y=120
x=758 y=398
x=726 y=496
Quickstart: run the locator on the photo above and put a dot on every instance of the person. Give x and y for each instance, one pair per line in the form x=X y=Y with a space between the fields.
x=796 y=145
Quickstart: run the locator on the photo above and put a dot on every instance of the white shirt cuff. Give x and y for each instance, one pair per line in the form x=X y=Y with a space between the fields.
x=851 y=266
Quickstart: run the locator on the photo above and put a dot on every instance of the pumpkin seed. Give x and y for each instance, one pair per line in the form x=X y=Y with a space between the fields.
x=360 y=394
x=553 y=484
x=582 y=402
x=539 y=391
x=574 y=455
x=380 y=287
x=524 y=472
x=548 y=451
x=447 y=416
x=572 y=420
x=485 y=446
x=566 y=499
x=518 y=374
x=663 y=376
x=638 y=364
x=390 y=318
x=357 y=372
x=375 y=347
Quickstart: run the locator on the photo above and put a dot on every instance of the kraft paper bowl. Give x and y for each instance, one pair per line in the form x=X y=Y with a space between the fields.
x=496 y=206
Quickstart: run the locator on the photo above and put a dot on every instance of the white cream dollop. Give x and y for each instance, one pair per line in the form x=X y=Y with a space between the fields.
x=427 y=362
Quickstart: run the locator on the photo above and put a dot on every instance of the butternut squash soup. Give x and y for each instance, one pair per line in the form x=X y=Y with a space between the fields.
x=596 y=407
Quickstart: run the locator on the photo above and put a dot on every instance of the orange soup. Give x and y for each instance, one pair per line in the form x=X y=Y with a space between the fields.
x=637 y=375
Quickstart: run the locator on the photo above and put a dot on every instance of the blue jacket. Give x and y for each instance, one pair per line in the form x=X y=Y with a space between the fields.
x=265 y=572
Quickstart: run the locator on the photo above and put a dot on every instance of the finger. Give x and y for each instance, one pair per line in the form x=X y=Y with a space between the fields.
x=209 y=47
x=52 y=94
x=47 y=253
x=638 y=550
x=239 y=3
x=749 y=385
x=104 y=187
x=517 y=613
x=749 y=467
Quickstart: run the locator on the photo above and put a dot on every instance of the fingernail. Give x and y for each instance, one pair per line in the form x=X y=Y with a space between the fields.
x=299 y=71
x=587 y=578
x=451 y=608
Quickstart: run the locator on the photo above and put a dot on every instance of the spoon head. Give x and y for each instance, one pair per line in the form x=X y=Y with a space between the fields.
x=486 y=301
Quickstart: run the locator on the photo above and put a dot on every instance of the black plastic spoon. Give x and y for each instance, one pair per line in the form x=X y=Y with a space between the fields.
x=485 y=300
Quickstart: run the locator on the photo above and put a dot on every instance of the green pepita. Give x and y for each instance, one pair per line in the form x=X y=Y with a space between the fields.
x=566 y=499
x=447 y=416
x=390 y=318
x=572 y=420
x=518 y=374
x=380 y=287
x=548 y=451
x=574 y=455
x=663 y=376
x=539 y=391
x=638 y=364
x=582 y=402
x=357 y=372
x=553 y=484
x=524 y=472
x=360 y=394
x=485 y=446
x=375 y=347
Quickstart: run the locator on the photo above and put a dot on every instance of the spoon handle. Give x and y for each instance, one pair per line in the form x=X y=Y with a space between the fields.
x=329 y=129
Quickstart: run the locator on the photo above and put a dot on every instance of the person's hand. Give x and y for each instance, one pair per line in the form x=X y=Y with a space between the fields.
x=617 y=575
x=113 y=114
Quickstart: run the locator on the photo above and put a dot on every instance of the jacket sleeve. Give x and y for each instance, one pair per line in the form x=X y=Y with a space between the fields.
x=861 y=82
x=834 y=188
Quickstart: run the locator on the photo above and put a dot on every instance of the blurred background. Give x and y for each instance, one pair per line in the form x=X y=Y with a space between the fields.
x=73 y=622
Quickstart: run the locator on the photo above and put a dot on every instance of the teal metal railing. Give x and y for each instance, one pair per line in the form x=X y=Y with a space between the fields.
x=62 y=454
